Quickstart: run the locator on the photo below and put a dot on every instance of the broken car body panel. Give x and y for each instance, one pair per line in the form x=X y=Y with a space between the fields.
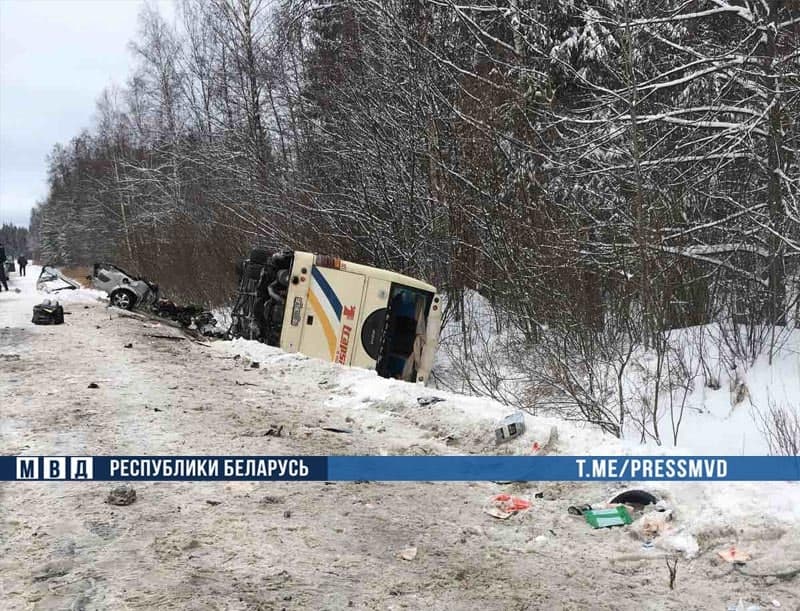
x=51 y=280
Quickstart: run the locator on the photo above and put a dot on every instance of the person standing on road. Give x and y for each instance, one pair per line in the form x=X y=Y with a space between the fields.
x=3 y=266
x=23 y=263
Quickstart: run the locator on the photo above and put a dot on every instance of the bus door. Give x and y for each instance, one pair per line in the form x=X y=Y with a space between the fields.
x=373 y=322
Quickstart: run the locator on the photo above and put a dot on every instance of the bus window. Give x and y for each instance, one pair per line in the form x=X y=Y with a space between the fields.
x=404 y=336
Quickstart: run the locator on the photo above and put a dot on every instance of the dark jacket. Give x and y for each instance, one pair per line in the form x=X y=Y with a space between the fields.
x=22 y=261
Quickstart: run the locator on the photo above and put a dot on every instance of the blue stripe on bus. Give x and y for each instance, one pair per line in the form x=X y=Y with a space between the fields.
x=326 y=288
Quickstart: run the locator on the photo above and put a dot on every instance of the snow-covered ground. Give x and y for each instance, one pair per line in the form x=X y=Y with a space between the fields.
x=725 y=395
x=334 y=546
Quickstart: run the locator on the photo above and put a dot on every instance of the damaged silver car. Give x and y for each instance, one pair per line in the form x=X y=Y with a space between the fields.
x=124 y=290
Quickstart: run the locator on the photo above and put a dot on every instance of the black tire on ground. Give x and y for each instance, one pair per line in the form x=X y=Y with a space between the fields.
x=259 y=255
x=123 y=298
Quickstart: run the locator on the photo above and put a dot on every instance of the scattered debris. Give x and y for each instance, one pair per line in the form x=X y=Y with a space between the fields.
x=183 y=315
x=653 y=524
x=733 y=555
x=51 y=280
x=238 y=383
x=448 y=439
x=287 y=514
x=510 y=427
x=255 y=365
x=605 y=518
x=271 y=500
x=48 y=313
x=409 y=553
x=336 y=429
x=274 y=431
x=503 y=506
x=425 y=401
x=93 y=385
x=213 y=503
x=52 y=569
x=637 y=498
x=128 y=346
x=163 y=336
x=9 y=357
x=578 y=510
x=121 y=495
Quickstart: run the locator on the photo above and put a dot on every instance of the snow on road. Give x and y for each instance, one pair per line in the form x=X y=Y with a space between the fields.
x=219 y=545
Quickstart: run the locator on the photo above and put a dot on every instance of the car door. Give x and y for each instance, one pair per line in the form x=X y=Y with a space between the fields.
x=104 y=278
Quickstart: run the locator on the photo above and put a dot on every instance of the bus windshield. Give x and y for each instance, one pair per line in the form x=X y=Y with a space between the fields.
x=404 y=333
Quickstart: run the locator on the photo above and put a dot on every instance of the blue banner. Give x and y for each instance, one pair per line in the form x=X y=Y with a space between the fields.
x=399 y=468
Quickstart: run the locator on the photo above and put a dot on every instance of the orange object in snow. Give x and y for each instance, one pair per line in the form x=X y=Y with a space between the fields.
x=734 y=556
x=503 y=506
x=509 y=503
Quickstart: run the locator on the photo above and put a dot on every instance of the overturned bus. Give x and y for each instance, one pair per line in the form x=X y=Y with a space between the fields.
x=339 y=311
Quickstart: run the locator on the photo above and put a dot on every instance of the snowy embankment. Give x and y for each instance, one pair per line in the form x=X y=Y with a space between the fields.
x=711 y=399
x=700 y=507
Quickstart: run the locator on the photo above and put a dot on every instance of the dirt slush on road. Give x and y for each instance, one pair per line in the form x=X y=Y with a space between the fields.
x=248 y=546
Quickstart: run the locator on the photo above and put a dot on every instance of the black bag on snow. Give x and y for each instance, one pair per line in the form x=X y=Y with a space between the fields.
x=48 y=313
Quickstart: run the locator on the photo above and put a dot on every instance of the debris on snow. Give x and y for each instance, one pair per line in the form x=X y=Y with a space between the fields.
x=429 y=400
x=733 y=555
x=121 y=495
x=605 y=518
x=336 y=429
x=53 y=569
x=503 y=506
x=510 y=427
x=640 y=498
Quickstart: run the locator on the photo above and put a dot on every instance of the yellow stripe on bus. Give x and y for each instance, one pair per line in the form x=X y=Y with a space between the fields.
x=326 y=324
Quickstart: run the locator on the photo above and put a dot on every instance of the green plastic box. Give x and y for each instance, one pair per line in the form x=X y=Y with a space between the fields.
x=603 y=518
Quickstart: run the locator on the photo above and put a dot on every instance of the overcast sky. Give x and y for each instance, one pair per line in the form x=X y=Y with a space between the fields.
x=56 y=56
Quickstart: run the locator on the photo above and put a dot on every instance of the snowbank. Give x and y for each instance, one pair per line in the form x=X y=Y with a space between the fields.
x=718 y=391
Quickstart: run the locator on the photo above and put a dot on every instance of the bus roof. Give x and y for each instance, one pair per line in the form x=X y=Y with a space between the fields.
x=382 y=274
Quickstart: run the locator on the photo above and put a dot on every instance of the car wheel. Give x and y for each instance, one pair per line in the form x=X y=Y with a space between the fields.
x=123 y=298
